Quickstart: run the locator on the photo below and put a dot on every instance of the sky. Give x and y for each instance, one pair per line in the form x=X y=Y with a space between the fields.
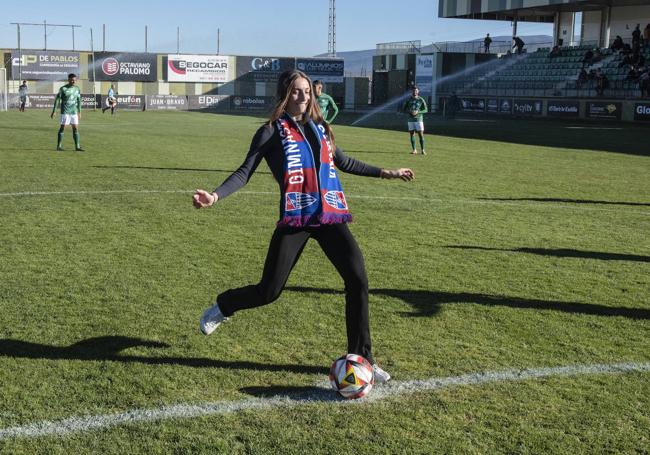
x=247 y=27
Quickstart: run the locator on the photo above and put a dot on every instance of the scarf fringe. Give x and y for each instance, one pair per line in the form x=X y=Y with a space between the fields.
x=334 y=218
x=311 y=220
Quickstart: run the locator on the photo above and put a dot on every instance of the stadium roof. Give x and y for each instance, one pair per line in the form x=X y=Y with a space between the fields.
x=523 y=10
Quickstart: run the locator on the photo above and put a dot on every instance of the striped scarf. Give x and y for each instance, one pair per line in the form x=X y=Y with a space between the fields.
x=309 y=199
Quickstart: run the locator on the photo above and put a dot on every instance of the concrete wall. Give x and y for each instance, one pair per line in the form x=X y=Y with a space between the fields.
x=356 y=92
x=624 y=19
x=565 y=28
x=592 y=26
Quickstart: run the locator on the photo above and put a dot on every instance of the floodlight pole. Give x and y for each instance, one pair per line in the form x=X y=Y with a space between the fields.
x=145 y=38
x=178 y=40
x=218 y=40
x=45 y=34
x=20 y=55
x=92 y=51
x=331 y=35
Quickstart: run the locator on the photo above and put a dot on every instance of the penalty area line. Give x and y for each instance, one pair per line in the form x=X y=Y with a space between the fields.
x=315 y=395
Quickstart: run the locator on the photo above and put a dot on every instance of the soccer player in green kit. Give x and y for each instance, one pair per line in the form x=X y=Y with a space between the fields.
x=325 y=102
x=70 y=98
x=415 y=106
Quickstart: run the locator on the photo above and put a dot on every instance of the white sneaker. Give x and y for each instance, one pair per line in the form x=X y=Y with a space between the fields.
x=211 y=319
x=381 y=376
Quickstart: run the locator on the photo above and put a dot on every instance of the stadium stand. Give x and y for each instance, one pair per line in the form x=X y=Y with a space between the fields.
x=539 y=74
x=587 y=68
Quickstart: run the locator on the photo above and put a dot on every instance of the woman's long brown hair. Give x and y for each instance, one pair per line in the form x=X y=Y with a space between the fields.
x=286 y=83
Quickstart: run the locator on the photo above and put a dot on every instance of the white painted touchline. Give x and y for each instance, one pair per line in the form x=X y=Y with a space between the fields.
x=560 y=205
x=317 y=395
x=58 y=193
x=592 y=128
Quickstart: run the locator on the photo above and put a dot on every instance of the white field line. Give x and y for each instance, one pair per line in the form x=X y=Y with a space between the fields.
x=591 y=128
x=560 y=205
x=316 y=395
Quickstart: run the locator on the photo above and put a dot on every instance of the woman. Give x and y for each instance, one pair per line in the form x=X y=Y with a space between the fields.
x=298 y=146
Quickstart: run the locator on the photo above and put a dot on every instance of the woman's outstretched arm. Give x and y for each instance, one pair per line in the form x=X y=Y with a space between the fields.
x=241 y=176
x=353 y=166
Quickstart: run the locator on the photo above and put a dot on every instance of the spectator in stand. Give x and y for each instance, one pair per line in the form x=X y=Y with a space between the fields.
x=487 y=41
x=636 y=38
x=518 y=44
x=555 y=52
x=598 y=56
x=627 y=60
x=583 y=78
x=617 y=45
x=588 y=59
x=638 y=59
x=602 y=82
x=626 y=49
x=646 y=37
x=633 y=74
x=644 y=83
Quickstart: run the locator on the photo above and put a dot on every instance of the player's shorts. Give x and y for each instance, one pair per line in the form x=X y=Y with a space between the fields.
x=23 y=99
x=69 y=119
x=110 y=102
x=416 y=126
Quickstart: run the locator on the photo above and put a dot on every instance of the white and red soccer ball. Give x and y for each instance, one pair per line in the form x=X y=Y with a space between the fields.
x=351 y=376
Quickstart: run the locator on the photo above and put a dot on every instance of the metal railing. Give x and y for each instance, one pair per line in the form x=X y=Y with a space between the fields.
x=398 y=47
x=472 y=47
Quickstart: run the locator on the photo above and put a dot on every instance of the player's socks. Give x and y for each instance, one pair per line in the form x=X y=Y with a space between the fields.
x=75 y=135
x=59 y=140
x=413 y=144
x=422 y=145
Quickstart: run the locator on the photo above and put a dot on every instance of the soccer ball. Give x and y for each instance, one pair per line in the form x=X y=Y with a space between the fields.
x=351 y=376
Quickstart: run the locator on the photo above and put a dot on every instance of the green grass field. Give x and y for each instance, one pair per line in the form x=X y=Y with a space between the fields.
x=509 y=251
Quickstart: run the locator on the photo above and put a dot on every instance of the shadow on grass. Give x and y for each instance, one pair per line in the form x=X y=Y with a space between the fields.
x=562 y=253
x=305 y=393
x=569 y=201
x=534 y=132
x=186 y=169
x=109 y=347
x=429 y=303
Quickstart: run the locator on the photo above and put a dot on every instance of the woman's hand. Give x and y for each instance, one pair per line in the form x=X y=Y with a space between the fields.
x=203 y=199
x=404 y=173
